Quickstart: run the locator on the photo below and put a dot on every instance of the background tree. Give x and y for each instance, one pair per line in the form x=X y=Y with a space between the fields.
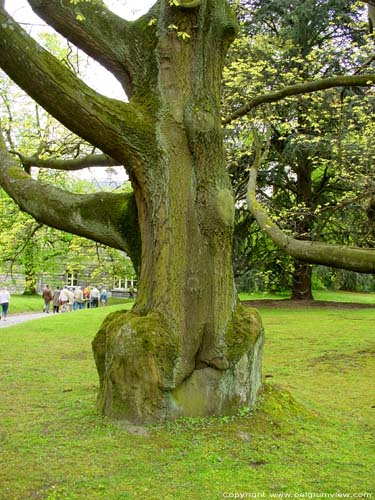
x=284 y=44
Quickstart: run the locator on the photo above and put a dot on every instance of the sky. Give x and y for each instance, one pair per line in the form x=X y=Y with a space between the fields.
x=129 y=9
x=97 y=77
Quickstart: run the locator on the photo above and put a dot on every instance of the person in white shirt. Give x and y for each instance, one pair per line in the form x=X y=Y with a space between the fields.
x=69 y=304
x=94 y=296
x=4 y=302
x=64 y=297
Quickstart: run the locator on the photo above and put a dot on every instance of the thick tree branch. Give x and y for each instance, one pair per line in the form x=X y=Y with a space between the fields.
x=187 y=4
x=340 y=256
x=107 y=218
x=95 y=160
x=96 y=30
x=120 y=130
x=302 y=88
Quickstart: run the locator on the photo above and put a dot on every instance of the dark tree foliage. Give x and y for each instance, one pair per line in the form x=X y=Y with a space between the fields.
x=297 y=169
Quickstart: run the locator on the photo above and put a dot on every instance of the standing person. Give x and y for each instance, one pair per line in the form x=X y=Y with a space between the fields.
x=78 y=299
x=94 y=297
x=64 y=297
x=69 y=304
x=86 y=296
x=4 y=301
x=103 y=297
x=56 y=300
x=47 y=296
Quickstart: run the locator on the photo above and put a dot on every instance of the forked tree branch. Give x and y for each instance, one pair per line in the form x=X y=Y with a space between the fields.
x=92 y=27
x=118 y=129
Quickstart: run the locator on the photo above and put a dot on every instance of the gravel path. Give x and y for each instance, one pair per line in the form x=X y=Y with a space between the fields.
x=13 y=319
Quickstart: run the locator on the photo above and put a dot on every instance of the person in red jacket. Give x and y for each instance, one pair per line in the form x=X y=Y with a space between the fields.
x=47 y=296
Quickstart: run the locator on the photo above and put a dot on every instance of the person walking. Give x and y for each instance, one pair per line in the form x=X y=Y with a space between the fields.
x=64 y=297
x=69 y=304
x=4 y=302
x=94 y=296
x=86 y=296
x=47 y=296
x=56 y=300
x=78 y=299
x=103 y=297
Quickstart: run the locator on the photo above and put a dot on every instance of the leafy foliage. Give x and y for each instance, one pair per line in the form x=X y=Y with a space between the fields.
x=317 y=180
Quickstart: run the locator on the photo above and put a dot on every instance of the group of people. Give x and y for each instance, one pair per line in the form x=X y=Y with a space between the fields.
x=66 y=299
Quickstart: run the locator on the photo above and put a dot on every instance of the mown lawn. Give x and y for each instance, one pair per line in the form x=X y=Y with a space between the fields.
x=324 y=295
x=318 y=440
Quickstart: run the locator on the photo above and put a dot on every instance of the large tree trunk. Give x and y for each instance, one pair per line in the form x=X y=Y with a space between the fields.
x=187 y=347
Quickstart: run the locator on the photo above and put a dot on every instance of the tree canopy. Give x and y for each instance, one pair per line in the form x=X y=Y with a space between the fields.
x=83 y=23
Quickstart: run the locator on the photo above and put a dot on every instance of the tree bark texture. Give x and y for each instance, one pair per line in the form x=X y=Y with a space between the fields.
x=196 y=351
x=187 y=347
x=302 y=280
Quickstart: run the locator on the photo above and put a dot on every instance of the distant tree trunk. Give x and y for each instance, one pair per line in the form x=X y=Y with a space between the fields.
x=302 y=279
x=302 y=273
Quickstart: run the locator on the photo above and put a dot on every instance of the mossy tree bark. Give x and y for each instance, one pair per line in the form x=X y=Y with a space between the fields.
x=187 y=347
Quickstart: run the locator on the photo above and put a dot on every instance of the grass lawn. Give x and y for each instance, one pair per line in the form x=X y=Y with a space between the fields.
x=335 y=296
x=53 y=444
x=25 y=303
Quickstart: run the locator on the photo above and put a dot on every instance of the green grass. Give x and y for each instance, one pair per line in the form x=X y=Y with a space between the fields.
x=338 y=296
x=25 y=303
x=54 y=445
x=326 y=295
x=262 y=295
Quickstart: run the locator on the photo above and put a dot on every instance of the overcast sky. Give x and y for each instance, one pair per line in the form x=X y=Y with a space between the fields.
x=129 y=9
